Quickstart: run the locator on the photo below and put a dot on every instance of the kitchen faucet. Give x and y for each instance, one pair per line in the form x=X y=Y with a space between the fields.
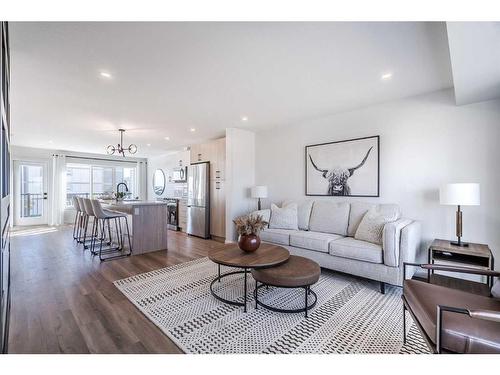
x=118 y=187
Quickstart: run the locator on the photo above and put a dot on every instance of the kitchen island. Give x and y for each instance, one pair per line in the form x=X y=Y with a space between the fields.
x=147 y=222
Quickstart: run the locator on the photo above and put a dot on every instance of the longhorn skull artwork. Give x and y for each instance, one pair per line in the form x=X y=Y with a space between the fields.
x=338 y=176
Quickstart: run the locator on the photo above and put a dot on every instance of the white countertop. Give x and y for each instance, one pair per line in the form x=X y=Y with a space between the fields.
x=113 y=202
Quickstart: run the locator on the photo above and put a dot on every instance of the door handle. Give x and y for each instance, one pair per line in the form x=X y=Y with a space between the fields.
x=44 y=195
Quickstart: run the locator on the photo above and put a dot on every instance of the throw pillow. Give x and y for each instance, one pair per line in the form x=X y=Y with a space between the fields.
x=283 y=218
x=303 y=212
x=372 y=225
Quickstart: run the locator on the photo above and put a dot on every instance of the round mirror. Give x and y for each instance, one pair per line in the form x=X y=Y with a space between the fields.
x=159 y=182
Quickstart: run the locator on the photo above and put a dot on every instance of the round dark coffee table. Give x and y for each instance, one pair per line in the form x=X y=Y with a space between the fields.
x=297 y=272
x=267 y=255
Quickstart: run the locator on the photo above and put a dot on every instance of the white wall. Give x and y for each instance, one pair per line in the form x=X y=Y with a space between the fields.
x=240 y=176
x=425 y=141
x=475 y=60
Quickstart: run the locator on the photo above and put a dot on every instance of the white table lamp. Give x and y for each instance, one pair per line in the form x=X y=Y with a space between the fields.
x=465 y=194
x=259 y=192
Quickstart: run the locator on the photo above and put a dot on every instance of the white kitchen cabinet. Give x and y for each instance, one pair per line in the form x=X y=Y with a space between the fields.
x=218 y=159
x=217 y=209
x=182 y=214
x=201 y=152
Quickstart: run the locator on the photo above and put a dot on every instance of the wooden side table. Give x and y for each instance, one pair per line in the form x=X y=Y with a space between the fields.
x=475 y=255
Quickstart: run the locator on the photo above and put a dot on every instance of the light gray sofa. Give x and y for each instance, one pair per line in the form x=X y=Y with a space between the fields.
x=330 y=241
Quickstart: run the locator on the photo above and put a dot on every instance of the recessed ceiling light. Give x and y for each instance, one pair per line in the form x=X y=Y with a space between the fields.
x=149 y=144
x=192 y=130
x=386 y=76
x=106 y=75
x=244 y=118
x=51 y=142
x=167 y=138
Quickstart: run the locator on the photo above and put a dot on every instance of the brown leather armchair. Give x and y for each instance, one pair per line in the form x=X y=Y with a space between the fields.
x=450 y=320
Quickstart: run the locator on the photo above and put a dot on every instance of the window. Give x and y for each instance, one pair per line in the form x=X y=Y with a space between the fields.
x=102 y=182
x=78 y=182
x=127 y=175
x=98 y=181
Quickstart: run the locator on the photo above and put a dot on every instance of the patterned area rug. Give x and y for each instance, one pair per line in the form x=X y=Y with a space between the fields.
x=351 y=316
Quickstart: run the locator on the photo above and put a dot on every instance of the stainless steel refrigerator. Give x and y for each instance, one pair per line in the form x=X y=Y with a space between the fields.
x=198 y=204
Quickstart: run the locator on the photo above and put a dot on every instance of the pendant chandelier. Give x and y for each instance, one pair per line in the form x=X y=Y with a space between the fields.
x=132 y=149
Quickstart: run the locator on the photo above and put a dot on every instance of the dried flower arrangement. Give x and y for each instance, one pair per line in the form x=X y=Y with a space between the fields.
x=250 y=224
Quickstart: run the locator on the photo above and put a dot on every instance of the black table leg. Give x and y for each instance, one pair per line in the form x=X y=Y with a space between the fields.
x=218 y=279
x=256 y=295
x=245 y=292
x=404 y=323
x=219 y=272
x=429 y=257
x=307 y=293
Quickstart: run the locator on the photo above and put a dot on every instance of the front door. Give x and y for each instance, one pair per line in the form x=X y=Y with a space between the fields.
x=30 y=193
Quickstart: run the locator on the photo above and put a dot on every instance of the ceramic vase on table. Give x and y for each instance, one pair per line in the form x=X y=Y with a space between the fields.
x=249 y=242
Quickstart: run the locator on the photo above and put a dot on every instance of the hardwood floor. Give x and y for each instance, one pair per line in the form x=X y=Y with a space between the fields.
x=64 y=301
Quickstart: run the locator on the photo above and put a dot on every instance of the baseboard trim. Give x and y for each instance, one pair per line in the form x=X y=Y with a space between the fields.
x=219 y=239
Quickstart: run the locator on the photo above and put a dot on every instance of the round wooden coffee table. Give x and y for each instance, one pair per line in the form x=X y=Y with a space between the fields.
x=297 y=272
x=267 y=255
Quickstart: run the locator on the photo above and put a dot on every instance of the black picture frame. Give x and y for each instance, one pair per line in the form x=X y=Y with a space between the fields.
x=307 y=165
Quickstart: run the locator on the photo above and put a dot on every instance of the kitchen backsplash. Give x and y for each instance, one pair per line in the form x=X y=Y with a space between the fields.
x=167 y=164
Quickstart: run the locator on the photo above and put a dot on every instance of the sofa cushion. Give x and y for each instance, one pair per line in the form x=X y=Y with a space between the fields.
x=354 y=249
x=303 y=212
x=329 y=217
x=284 y=218
x=277 y=236
x=359 y=209
x=316 y=241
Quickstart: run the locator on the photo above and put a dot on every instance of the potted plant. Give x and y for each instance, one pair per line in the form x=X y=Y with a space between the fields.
x=248 y=228
x=120 y=195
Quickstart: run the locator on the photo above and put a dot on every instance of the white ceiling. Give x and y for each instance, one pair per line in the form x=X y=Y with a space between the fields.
x=170 y=77
x=475 y=60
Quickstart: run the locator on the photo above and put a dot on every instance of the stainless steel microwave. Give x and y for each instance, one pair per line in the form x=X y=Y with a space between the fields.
x=179 y=174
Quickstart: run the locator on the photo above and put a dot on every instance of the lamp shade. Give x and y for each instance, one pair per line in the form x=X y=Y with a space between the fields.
x=259 y=192
x=460 y=194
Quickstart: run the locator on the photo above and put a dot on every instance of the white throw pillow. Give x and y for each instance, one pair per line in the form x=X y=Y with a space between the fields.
x=303 y=212
x=372 y=225
x=359 y=209
x=283 y=218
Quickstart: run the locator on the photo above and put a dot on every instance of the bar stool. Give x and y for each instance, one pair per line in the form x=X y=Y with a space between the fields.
x=105 y=217
x=89 y=214
x=79 y=217
x=83 y=219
